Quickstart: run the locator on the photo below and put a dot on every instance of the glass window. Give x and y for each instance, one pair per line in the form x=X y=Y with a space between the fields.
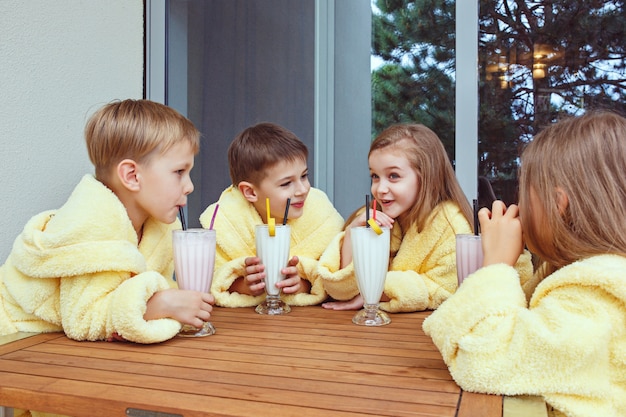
x=228 y=64
x=413 y=46
x=538 y=61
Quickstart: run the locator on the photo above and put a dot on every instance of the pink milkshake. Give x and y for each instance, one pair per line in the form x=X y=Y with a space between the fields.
x=194 y=258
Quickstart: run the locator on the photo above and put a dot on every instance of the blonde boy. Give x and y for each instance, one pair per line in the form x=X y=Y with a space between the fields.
x=100 y=267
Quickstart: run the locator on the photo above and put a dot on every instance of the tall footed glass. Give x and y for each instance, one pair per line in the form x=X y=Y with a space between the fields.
x=274 y=254
x=370 y=255
x=194 y=258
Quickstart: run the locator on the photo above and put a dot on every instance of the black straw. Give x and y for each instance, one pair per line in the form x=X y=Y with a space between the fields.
x=286 y=211
x=182 y=217
x=367 y=210
x=475 y=217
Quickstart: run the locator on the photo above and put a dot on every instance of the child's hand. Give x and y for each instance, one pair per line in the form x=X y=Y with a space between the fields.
x=293 y=284
x=187 y=307
x=355 y=304
x=255 y=276
x=346 y=247
x=501 y=234
x=381 y=218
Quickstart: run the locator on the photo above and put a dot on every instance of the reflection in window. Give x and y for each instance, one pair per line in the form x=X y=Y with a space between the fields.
x=414 y=41
x=538 y=61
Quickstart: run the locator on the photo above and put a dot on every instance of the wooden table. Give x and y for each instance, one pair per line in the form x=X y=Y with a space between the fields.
x=311 y=362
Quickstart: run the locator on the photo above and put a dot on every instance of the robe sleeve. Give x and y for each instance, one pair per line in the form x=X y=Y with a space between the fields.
x=95 y=306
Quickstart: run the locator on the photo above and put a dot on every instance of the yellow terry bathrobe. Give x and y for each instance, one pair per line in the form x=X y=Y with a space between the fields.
x=79 y=270
x=422 y=272
x=568 y=344
x=235 y=222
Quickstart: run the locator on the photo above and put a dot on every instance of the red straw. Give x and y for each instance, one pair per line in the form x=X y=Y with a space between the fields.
x=213 y=217
x=374 y=209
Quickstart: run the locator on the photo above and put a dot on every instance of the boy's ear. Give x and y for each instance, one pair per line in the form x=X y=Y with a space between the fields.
x=128 y=174
x=562 y=200
x=248 y=191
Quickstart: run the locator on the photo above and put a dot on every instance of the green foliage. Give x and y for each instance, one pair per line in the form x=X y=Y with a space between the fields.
x=417 y=82
x=579 y=45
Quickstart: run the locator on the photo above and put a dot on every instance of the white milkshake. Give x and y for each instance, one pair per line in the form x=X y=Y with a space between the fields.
x=194 y=258
x=370 y=255
x=274 y=254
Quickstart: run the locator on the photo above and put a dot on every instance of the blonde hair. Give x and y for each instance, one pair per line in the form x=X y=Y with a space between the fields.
x=428 y=158
x=260 y=147
x=137 y=130
x=584 y=157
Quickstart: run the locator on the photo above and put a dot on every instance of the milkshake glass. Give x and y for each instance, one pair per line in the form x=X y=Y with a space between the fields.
x=194 y=258
x=370 y=255
x=274 y=254
x=469 y=255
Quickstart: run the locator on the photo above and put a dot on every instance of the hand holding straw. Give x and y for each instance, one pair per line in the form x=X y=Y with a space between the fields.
x=372 y=222
x=182 y=217
x=213 y=217
x=286 y=211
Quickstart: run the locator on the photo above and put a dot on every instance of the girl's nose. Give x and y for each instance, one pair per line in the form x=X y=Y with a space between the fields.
x=381 y=187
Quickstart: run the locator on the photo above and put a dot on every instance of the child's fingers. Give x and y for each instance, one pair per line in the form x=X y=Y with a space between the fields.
x=484 y=214
x=204 y=315
x=255 y=269
x=354 y=304
x=290 y=285
x=512 y=211
x=257 y=288
x=252 y=260
x=293 y=261
x=498 y=208
x=208 y=298
x=256 y=281
x=384 y=221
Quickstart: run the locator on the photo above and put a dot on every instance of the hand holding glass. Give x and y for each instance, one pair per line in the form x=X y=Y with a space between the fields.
x=194 y=258
x=370 y=255
x=274 y=254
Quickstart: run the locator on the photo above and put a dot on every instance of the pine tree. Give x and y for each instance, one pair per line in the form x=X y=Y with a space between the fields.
x=538 y=61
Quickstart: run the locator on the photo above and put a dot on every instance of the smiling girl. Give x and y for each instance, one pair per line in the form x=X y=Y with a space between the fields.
x=414 y=184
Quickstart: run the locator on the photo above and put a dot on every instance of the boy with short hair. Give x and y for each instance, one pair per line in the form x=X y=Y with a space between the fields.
x=101 y=266
x=269 y=161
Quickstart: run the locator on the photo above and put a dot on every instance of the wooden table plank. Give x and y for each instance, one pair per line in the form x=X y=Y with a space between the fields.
x=22 y=342
x=312 y=362
x=473 y=405
x=306 y=368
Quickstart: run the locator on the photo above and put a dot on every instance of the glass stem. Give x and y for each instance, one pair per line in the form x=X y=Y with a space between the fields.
x=370 y=311
x=273 y=301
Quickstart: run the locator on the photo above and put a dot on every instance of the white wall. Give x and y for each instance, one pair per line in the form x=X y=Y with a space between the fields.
x=59 y=61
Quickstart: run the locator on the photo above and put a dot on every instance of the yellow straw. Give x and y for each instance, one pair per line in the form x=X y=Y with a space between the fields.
x=271 y=223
